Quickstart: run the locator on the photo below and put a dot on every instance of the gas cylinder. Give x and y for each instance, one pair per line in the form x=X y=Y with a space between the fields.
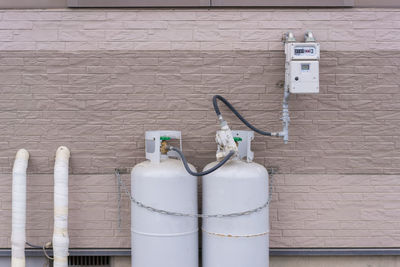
x=161 y=183
x=238 y=186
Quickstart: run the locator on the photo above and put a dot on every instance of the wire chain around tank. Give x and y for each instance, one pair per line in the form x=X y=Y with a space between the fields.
x=181 y=214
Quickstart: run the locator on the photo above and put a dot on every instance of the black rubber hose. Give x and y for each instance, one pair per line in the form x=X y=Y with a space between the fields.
x=33 y=246
x=185 y=163
x=229 y=105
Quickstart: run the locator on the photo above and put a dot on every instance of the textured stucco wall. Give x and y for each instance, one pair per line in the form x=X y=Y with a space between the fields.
x=190 y=29
x=306 y=211
x=63 y=3
x=95 y=80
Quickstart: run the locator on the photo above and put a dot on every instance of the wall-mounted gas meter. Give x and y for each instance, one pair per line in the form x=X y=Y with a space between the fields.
x=302 y=65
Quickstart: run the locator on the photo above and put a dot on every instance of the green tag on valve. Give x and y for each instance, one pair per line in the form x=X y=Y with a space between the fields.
x=237 y=139
x=165 y=138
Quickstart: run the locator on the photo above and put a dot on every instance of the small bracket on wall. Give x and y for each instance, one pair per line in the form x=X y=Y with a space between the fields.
x=244 y=145
x=153 y=144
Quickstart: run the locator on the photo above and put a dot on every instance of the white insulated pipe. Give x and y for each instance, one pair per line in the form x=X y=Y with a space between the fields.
x=18 y=237
x=60 y=234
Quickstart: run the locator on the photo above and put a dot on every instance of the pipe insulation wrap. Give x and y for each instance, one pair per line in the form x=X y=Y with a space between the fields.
x=19 y=208
x=60 y=234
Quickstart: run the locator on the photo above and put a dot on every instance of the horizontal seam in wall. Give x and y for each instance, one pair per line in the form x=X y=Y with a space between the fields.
x=273 y=252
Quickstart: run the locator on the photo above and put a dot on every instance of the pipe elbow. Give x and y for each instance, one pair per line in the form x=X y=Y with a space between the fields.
x=22 y=154
x=63 y=152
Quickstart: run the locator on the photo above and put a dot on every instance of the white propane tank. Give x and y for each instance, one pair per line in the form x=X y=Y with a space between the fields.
x=239 y=185
x=161 y=182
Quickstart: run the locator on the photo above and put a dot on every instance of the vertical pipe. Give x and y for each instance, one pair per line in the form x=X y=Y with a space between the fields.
x=286 y=93
x=60 y=234
x=285 y=115
x=19 y=208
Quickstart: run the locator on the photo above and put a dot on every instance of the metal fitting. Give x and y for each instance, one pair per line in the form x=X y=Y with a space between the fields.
x=222 y=122
x=309 y=37
x=289 y=37
x=164 y=147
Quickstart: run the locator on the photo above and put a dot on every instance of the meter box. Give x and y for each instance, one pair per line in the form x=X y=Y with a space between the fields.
x=303 y=67
x=304 y=77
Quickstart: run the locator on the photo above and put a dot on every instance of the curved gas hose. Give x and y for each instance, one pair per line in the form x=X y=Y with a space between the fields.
x=186 y=165
x=44 y=247
x=229 y=105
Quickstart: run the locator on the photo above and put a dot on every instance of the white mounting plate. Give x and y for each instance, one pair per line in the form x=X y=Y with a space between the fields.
x=244 y=146
x=304 y=77
x=153 y=144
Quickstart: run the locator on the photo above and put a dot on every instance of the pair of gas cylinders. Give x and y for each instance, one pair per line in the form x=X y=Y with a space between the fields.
x=164 y=225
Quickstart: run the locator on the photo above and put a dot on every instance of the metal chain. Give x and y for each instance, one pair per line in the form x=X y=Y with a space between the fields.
x=271 y=183
x=180 y=214
x=119 y=180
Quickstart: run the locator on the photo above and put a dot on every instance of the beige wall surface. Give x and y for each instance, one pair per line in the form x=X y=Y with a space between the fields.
x=96 y=80
x=361 y=29
x=63 y=3
x=306 y=211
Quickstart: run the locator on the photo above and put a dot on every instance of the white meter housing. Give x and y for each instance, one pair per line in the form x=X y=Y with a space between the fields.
x=302 y=67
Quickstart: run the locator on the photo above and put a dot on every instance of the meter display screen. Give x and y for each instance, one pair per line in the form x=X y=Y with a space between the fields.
x=305 y=67
x=304 y=51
